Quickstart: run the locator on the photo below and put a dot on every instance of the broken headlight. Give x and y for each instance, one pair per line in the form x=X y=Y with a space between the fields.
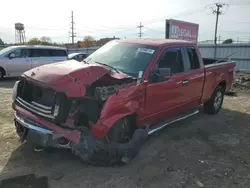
x=61 y=107
x=14 y=91
x=56 y=110
x=102 y=93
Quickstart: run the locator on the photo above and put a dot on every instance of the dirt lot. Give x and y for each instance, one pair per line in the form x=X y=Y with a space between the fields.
x=203 y=151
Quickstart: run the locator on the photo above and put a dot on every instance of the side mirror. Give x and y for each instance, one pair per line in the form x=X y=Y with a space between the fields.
x=163 y=74
x=12 y=55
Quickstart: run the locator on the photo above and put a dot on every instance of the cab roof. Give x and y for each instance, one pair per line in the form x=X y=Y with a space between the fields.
x=154 y=41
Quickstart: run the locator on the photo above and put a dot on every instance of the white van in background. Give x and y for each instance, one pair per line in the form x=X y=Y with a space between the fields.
x=15 y=60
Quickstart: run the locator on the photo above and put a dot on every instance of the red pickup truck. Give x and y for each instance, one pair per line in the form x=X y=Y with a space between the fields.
x=104 y=107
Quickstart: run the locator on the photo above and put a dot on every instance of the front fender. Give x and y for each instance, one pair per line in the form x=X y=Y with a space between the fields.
x=125 y=102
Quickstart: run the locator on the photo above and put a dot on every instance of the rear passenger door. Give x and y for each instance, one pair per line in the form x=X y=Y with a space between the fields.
x=194 y=76
x=40 y=57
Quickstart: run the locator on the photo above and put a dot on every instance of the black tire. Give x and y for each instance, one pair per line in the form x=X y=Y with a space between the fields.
x=2 y=73
x=121 y=132
x=213 y=105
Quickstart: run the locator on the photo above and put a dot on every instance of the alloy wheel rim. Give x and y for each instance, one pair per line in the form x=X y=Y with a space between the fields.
x=218 y=100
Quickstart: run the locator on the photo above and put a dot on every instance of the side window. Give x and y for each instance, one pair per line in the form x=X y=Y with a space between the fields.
x=58 y=53
x=40 y=53
x=17 y=53
x=193 y=58
x=172 y=59
x=21 y=53
x=26 y=53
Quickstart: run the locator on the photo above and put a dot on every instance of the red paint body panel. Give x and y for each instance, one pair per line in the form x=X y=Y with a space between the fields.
x=215 y=75
x=150 y=102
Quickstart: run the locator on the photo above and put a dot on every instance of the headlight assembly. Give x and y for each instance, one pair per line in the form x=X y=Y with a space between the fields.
x=14 y=91
x=56 y=110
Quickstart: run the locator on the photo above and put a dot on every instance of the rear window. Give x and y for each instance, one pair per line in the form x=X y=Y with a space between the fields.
x=58 y=53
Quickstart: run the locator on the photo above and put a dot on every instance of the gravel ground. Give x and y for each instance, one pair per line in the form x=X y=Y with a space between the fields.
x=203 y=151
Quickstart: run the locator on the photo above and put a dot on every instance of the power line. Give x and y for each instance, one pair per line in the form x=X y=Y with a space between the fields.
x=159 y=30
x=49 y=29
x=123 y=27
x=140 y=27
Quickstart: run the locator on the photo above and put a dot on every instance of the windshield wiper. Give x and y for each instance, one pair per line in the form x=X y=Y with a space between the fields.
x=108 y=66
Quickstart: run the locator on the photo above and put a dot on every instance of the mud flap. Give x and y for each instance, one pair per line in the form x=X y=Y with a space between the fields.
x=99 y=152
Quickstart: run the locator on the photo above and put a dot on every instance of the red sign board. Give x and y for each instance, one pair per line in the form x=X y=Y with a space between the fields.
x=181 y=30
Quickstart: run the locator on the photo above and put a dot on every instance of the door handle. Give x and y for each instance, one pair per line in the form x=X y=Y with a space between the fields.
x=184 y=82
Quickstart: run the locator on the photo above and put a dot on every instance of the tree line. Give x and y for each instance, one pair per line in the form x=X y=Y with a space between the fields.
x=88 y=41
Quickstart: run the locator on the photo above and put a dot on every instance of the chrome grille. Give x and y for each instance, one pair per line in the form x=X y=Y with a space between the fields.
x=37 y=108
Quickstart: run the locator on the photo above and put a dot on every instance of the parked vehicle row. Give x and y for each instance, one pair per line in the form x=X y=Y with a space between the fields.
x=102 y=107
x=15 y=60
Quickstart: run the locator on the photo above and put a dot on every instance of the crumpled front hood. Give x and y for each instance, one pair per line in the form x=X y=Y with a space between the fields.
x=69 y=75
x=54 y=73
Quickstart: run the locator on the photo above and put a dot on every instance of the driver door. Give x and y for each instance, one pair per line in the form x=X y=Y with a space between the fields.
x=20 y=63
x=164 y=98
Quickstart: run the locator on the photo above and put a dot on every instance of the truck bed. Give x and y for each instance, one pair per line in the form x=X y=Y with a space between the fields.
x=209 y=61
x=215 y=72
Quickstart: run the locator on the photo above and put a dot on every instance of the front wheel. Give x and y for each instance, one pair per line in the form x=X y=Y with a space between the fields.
x=121 y=132
x=1 y=73
x=214 y=104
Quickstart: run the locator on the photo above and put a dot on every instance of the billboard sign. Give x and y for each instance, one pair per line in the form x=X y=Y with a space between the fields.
x=181 y=30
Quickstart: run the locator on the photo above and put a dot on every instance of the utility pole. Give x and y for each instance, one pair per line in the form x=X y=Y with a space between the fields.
x=217 y=12
x=72 y=34
x=219 y=39
x=140 y=27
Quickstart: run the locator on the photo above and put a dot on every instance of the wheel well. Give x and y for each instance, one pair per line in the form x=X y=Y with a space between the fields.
x=4 y=73
x=132 y=119
x=223 y=84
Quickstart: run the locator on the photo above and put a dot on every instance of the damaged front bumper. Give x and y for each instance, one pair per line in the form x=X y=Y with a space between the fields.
x=88 y=148
x=32 y=132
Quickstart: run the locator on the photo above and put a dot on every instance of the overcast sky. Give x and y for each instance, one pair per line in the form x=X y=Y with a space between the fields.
x=119 y=18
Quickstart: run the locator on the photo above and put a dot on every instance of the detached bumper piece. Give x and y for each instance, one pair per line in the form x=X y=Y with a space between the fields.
x=101 y=153
x=89 y=148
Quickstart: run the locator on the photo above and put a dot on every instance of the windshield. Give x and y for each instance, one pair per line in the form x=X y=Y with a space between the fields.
x=3 y=51
x=125 y=57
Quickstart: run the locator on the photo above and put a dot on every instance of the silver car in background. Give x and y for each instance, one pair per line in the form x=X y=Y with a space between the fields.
x=78 y=56
x=15 y=60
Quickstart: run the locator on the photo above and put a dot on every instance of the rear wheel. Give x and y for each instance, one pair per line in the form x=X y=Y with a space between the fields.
x=214 y=104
